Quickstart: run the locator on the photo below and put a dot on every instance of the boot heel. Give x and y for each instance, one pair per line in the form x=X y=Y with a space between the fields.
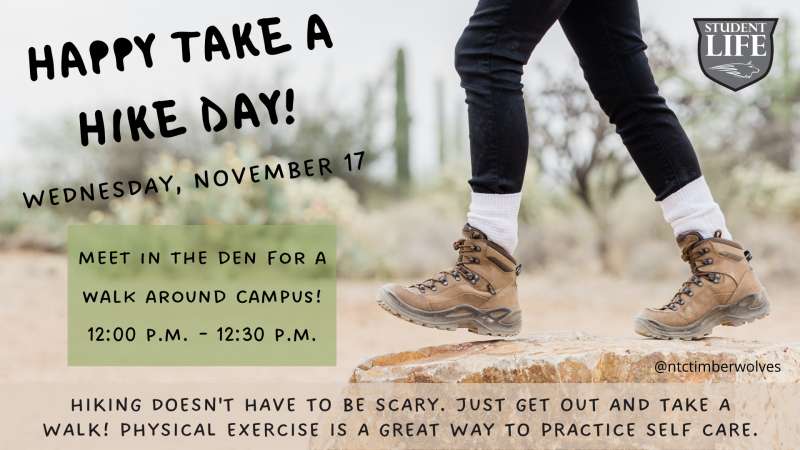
x=746 y=310
x=507 y=325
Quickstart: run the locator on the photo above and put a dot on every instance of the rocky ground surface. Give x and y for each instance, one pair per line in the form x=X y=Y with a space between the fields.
x=582 y=358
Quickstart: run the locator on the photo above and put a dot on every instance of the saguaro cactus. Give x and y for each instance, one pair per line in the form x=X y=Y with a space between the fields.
x=402 y=121
x=441 y=122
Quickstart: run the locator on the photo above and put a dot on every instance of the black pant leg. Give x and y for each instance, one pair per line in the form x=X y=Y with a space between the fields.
x=489 y=58
x=607 y=37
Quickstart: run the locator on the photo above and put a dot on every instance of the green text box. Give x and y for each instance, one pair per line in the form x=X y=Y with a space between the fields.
x=279 y=310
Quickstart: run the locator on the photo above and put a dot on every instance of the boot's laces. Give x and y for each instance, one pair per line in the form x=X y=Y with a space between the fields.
x=695 y=255
x=458 y=271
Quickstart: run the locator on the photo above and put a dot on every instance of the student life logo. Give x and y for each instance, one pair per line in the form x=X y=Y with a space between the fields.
x=735 y=52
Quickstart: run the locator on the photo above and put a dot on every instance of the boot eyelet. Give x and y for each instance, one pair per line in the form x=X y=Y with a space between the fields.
x=444 y=283
x=477 y=248
x=708 y=261
x=433 y=289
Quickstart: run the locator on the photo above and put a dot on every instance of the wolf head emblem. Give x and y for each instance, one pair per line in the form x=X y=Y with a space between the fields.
x=739 y=70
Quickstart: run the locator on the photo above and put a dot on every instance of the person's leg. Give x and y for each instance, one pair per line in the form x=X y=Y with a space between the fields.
x=489 y=58
x=480 y=292
x=607 y=37
x=723 y=289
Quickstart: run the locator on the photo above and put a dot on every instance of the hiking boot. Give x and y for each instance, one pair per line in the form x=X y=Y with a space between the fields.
x=723 y=290
x=479 y=293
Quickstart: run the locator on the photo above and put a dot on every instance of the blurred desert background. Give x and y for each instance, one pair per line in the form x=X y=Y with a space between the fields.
x=593 y=245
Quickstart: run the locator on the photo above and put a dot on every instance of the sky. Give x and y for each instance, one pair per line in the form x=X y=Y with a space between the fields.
x=365 y=35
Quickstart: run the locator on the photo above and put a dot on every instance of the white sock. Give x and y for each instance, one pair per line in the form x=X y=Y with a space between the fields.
x=692 y=208
x=496 y=216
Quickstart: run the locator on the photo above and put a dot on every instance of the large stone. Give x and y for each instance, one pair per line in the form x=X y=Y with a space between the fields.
x=579 y=358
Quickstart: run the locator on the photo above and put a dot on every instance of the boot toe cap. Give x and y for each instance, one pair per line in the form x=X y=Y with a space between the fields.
x=409 y=296
x=661 y=317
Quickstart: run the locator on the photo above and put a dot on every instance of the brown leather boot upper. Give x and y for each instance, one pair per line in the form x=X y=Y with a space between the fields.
x=721 y=275
x=484 y=277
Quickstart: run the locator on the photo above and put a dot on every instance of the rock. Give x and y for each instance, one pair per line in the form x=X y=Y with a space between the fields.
x=580 y=358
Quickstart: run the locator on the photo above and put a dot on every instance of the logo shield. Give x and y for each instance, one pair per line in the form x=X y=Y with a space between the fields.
x=735 y=52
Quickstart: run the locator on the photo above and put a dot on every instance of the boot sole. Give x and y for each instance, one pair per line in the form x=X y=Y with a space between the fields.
x=746 y=310
x=497 y=322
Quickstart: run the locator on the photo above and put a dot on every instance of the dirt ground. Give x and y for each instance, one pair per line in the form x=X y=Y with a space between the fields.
x=33 y=312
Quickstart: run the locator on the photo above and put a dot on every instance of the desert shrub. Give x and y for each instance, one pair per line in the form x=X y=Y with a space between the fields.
x=766 y=190
x=40 y=229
